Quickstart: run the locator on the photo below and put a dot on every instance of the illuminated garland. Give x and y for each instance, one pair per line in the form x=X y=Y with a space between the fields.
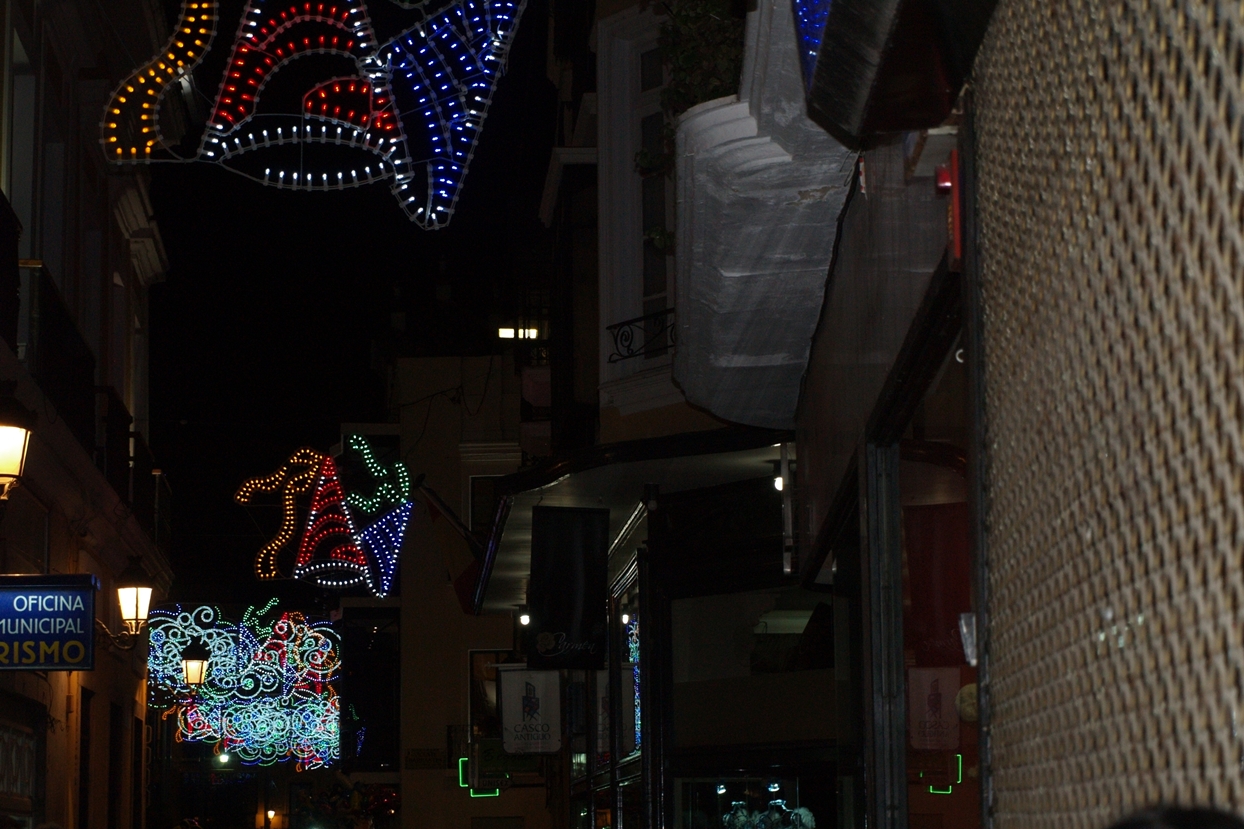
x=331 y=552
x=294 y=478
x=268 y=695
x=410 y=116
x=130 y=130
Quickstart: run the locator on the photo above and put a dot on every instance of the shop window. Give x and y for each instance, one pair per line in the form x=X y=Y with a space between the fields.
x=941 y=748
x=370 y=689
x=740 y=803
x=753 y=667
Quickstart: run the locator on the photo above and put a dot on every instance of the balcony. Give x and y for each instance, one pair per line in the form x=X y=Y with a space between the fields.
x=651 y=335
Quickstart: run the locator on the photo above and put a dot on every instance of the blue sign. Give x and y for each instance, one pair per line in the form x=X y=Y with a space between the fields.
x=47 y=623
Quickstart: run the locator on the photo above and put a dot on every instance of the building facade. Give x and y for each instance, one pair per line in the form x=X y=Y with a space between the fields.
x=80 y=249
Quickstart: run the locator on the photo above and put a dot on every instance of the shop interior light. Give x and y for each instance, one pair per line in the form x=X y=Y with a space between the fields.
x=505 y=333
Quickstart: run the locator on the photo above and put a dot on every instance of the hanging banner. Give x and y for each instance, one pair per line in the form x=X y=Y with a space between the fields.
x=531 y=711
x=566 y=595
x=47 y=623
x=932 y=719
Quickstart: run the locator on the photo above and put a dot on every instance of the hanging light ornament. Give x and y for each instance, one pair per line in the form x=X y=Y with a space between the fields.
x=410 y=115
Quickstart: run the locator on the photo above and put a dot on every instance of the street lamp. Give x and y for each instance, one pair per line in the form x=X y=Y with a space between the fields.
x=134 y=589
x=134 y=595
x=194 y=659
x=16 y=424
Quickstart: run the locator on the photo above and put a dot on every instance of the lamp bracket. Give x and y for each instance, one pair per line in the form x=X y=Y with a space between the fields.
x=122 y=641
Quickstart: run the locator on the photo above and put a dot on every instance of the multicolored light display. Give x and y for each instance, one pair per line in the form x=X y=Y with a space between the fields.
x=410 y=115
x=332 y=552
x=269 y=693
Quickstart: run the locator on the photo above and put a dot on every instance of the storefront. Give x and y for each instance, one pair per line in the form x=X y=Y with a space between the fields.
x=714 y=704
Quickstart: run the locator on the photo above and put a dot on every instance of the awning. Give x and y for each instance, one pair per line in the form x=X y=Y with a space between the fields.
x=611 y=476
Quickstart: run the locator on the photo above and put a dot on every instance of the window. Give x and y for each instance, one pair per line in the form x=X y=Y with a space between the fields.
x=20 y=164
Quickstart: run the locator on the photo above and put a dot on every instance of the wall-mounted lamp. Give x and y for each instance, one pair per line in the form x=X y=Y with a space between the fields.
x=134 y=590
x=16 y=424
x=626 y=618
x=524 y=617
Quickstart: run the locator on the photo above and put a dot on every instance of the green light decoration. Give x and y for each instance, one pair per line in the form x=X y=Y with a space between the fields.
x=950 y=789
x=396 y=491
x=463 y=783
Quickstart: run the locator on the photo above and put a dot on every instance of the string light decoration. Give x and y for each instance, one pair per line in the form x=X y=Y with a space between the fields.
x=810 y=19
x=328 y=554
x=269 y=693
x=130 y=129
x=293 y=479
x=332 y=552
x=411 y=115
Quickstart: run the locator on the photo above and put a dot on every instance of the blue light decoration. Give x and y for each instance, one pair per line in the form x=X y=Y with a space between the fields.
x=632 y=651
x=269 y=693
x=810 y=19
x=332 y=552
x=410 y=114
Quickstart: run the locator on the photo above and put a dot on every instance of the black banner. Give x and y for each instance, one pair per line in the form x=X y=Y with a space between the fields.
x=567 y=595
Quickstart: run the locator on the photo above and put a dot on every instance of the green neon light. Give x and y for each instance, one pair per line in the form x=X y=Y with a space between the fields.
x=462 y=781
x=949 y=789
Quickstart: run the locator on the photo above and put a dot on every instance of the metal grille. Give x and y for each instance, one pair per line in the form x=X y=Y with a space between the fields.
x=1111 y=190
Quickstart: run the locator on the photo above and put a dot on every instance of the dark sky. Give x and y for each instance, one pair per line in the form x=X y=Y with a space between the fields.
x=276 y=313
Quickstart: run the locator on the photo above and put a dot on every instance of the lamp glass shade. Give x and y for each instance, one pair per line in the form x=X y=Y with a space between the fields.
x=135 y=602
x=13 y=443
x=195 y=671
x=194 y=659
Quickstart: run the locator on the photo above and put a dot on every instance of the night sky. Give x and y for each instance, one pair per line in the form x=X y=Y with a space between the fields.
x=276 y=318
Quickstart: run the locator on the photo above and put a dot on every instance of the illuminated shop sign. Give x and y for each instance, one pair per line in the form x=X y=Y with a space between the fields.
x=47 y=623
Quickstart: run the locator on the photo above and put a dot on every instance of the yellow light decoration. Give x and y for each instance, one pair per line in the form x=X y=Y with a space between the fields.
x=297 y=476
x=126 y=128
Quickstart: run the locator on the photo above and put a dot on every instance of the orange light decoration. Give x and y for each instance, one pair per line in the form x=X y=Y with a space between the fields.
x=130 y=131
x=296 y=477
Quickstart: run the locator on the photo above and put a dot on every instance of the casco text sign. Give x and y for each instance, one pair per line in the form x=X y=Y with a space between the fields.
x=47 y=623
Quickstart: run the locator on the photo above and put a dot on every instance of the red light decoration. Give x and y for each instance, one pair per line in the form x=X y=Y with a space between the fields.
x=354 y=101
x=260 y=50
x=328 y=554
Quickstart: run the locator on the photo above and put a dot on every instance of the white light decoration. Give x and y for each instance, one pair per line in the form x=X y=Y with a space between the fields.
x=415 y=104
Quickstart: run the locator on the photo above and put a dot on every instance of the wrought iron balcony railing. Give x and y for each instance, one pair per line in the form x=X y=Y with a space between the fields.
x=651 y=335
